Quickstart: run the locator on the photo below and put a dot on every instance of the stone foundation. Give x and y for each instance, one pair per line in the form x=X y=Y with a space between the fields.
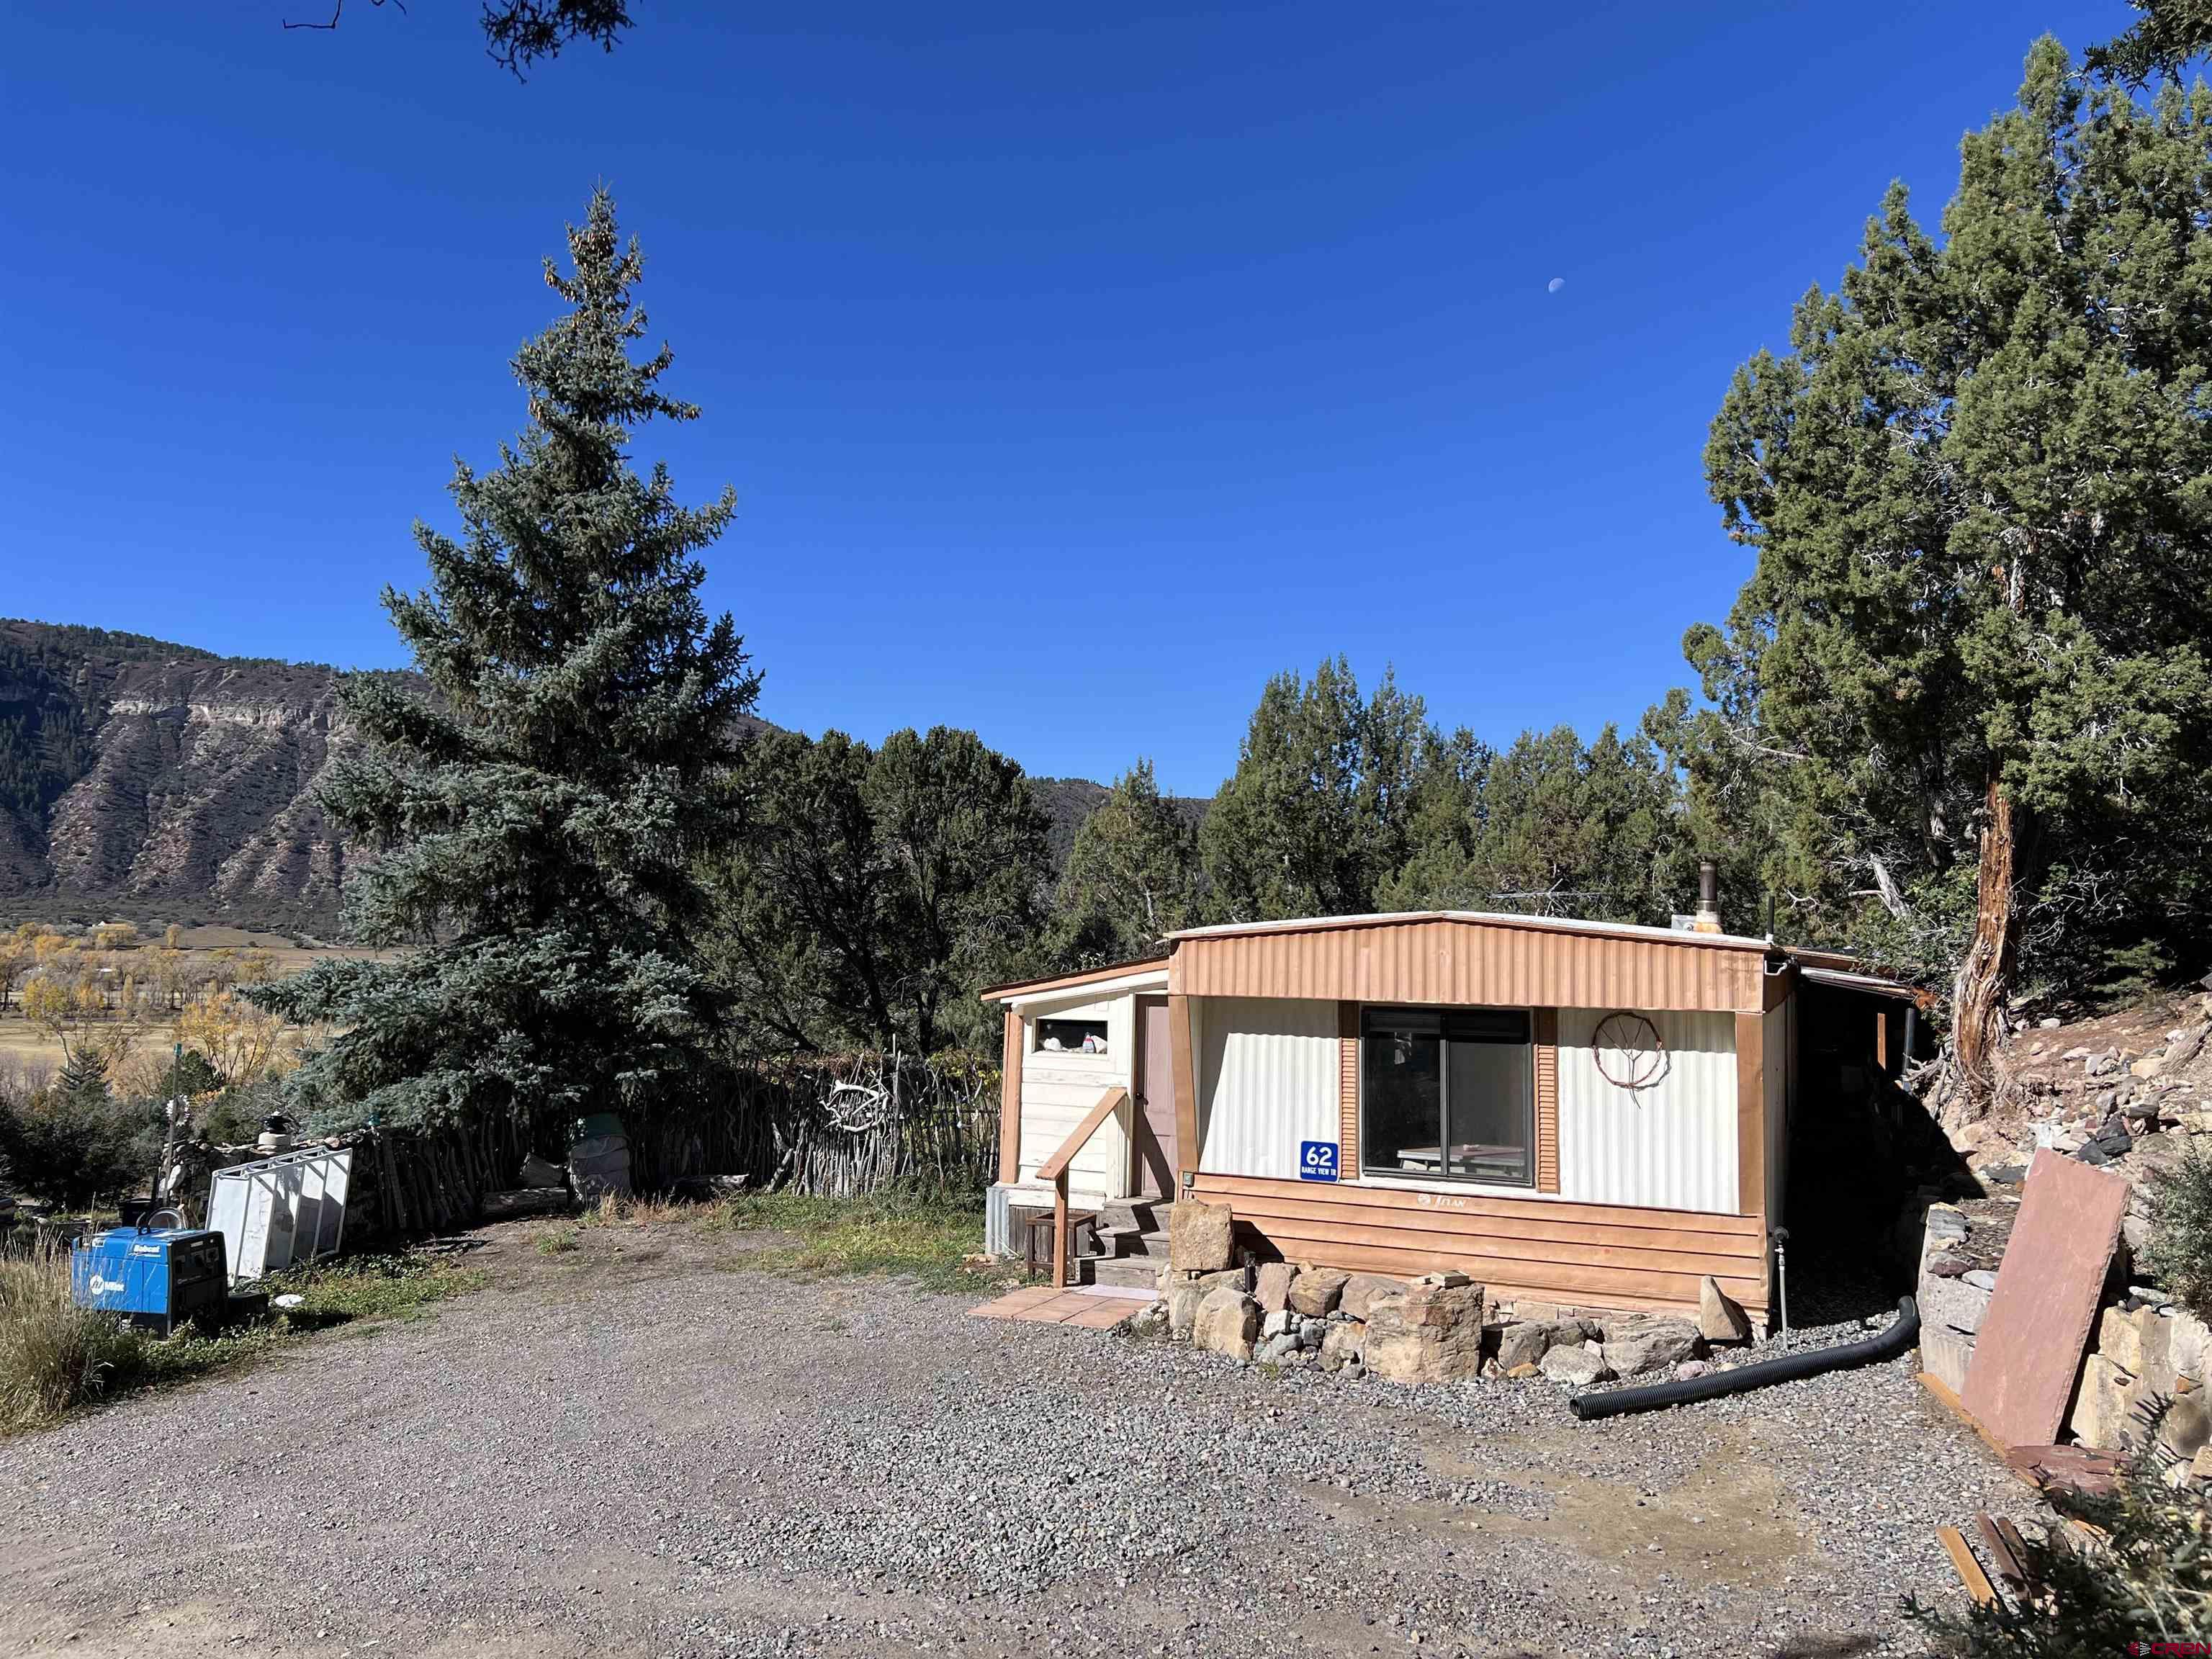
x=1442 y=1328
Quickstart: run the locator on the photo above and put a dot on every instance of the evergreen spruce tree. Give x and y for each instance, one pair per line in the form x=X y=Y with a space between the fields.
x=537 y=820
x=83 y=1077
x=1974 y=649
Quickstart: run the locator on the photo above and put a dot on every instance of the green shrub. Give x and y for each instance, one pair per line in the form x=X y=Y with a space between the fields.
x=191 y=1073
x=72 y=1147
x=2134 y=972
x=2179 y=1250
x=2145 y=1575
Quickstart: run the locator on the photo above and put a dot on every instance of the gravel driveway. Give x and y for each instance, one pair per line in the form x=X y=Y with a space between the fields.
x=641 y=1448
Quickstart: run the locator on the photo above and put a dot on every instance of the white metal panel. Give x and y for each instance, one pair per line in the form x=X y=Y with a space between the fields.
x=1670 y=1147
x=277 y=1211
x=1266 y=1080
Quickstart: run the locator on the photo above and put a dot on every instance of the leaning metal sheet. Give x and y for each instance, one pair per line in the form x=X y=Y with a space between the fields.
x=2049 y=1286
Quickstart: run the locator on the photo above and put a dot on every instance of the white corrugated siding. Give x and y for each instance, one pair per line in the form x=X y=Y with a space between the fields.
x=1266 y=1081
x=1669 y=1147
x=1778 y=1044
x=1058 y=1089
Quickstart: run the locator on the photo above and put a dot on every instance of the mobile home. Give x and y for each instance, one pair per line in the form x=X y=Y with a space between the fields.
x=1581 y=1113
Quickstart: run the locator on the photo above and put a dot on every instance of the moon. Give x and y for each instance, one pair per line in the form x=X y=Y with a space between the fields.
x=1555 y=285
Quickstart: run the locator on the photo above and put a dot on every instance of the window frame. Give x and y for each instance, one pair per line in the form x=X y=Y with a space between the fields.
x=1441 y=1020
x=1037 y=1024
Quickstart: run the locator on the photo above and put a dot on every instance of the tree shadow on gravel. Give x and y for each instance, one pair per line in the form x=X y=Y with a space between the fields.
x=1825 y=1647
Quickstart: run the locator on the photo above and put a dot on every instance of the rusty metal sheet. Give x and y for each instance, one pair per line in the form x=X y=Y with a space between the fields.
x=2049 y=1286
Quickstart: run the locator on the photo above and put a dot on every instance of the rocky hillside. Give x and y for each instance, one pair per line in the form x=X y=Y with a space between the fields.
x=150 y=780
x=2129 y=1090
x=154 y=781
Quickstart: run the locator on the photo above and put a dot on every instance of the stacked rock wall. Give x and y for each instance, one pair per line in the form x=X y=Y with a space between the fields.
x=1441 y=1328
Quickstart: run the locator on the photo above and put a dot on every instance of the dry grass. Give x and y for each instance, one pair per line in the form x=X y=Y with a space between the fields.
x=929 y=1240
x=56 y=1358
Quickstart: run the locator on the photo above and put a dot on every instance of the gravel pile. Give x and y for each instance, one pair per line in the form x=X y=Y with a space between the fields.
x=696 y=1460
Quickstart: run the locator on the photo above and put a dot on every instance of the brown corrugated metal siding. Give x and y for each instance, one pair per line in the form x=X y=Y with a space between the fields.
x=1469 y=964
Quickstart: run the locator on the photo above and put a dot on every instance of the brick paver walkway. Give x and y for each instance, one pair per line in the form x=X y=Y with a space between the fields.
x=1089 y=1307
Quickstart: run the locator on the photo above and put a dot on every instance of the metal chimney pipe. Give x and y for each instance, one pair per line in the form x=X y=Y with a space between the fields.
x=1709 y=896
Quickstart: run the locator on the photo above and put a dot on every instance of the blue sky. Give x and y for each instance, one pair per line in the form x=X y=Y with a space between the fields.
x=1072 y=378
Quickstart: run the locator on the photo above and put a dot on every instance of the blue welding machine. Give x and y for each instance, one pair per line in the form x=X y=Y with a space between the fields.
x=159 y=1277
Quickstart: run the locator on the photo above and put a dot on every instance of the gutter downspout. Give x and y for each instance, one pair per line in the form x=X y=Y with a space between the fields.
x=1902 y=1334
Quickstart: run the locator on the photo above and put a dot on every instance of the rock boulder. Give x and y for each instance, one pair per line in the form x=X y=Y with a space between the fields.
x=1430 y=1333
x=1648 y=1342
x=1316 y=1291
x=1199 y=1236
x=2102 y=1406
x=2186 y=1426
x=1273 y=1286
x=1183 y=1300
x=1527 y=1342
x=1341 y=1344
x=1363 y=1291
x=1719 y=1318
x=1579 y=1366
x=1227 y=1322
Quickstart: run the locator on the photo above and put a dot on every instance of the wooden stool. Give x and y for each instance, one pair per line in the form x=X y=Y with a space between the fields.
x=1036 y=1240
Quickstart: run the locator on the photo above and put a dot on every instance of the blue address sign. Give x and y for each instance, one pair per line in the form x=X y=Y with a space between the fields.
x=1317 y=1160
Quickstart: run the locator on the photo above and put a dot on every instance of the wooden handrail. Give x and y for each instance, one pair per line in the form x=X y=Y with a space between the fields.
x=1054 y=1170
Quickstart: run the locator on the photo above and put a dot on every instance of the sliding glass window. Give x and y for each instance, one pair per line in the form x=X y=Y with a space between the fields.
x=1448 y=1093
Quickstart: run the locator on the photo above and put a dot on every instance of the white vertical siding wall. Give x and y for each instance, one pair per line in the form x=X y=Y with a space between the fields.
x=1669 y=1147
x=1266 y=1080
x=1059 y=1088
x=1778 y=1041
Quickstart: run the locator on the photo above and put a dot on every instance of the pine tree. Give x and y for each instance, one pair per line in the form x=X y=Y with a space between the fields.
x=1976 y=637
x=535 y=824
x=2164 y=39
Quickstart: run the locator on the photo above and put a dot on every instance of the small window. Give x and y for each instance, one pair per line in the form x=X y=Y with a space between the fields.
x=1448 y=1094
x=1081 y=1037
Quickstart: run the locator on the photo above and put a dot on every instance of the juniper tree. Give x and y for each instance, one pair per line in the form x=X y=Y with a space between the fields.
x=1133 y=875
x=1980 y=487
x=535 y=821
x=877 y=890
x=1320 y=812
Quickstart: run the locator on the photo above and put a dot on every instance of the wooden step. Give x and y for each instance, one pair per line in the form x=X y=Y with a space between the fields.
x=1132 y=1242
x=1141 y=1214
x=1132 y=1273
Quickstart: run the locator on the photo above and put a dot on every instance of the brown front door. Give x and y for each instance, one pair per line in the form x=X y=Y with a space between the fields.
x=1155 y=1153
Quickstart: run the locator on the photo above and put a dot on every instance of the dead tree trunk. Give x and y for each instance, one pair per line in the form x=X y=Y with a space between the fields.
x=1985 y=975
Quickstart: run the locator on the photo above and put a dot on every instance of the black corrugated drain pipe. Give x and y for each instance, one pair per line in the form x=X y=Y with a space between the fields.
x=1901 y=1334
